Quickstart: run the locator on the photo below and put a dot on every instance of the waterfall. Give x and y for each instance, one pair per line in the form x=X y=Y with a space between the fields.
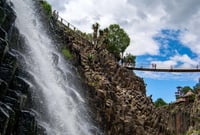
x=63 y=110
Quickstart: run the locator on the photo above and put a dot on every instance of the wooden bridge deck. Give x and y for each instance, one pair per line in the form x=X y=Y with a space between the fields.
x=164 y=70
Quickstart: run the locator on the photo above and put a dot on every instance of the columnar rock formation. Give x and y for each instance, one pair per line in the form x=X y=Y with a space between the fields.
x=195 y=113
x=15 y=117
x=117 y=96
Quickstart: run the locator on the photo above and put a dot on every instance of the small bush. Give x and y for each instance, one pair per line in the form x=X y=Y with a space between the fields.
x=47 y=7
x=160 y=102
x=90 y=57
x=192 y=98
x=195 y=132
x=67 y=53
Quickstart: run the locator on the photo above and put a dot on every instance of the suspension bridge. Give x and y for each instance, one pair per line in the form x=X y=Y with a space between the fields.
x=153 y=68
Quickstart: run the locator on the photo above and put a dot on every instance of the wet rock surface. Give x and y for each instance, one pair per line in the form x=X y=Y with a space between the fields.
x=15 y=117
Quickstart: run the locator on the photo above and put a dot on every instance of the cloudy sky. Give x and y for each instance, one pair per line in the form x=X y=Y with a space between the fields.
x=164 y=32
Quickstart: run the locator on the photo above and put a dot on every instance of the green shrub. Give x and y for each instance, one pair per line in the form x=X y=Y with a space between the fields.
x=47 y=7
x=196 y=132
x=160 y=102
x=192 y=98
x=67 y=53
x=130 y=59
x=90 y=57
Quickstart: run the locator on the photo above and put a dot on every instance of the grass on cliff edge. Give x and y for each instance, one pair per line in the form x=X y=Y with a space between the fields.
x=66 y=53
x=47 y=7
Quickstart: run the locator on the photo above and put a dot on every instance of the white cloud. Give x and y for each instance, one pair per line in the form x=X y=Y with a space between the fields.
x=141 y=16
x=58 y=4
x=177 y=61
x=140 y=24
x=186 y=61
x=169 y=76
x=141 y=46
x=191 y=40
x=142 y=19
x=180 y=13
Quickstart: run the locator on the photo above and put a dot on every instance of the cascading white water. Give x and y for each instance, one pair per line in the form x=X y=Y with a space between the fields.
x=64 y=113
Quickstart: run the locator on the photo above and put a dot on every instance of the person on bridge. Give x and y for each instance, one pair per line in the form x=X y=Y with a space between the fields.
x=153 y=66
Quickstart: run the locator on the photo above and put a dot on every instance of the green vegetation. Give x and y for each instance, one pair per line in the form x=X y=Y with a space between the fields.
x=118 y=40
x=183 y=90
x=194 y=132
x=160 y=102
x=186 y=89
x=192 y=98
x=130 y=59
x=115 y=38
x=67 y=53
x=90 y=57
x=47 y=7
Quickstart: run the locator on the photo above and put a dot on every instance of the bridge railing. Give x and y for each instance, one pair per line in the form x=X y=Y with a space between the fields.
x=159 y=66
x=76 y=32
x=66 y=23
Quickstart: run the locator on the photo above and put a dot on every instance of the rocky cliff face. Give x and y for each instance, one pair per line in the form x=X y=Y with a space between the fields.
x=183 y=118
x=179 y=120
x=116 y=96
x=195 y=114
x=16 y=118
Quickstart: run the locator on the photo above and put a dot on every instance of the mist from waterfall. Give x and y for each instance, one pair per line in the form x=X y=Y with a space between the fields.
x=62 y=106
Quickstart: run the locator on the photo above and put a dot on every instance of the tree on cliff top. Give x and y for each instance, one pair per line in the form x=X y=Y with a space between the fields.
x=118 y=40
x=185 y=89
x=160 y=102
x=129 y=59
x=95 y=28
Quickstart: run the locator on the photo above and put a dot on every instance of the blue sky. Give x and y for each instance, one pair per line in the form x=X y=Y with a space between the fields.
x=165 y=88
x=164 y=84
x=163 y=32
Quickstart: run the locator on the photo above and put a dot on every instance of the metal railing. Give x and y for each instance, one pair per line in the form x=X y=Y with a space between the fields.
x=75 y=31
x=160 y=68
